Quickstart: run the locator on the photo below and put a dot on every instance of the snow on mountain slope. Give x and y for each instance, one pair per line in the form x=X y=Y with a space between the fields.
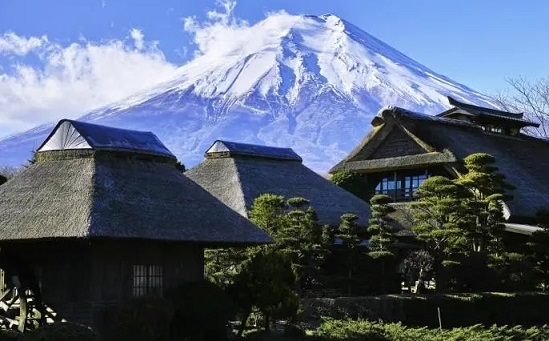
x=311 y=83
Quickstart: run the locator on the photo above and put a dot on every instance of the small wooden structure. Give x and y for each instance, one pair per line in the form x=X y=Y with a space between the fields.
x=104 y=215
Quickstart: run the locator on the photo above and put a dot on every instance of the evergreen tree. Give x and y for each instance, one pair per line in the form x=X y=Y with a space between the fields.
x=440 y=213
x=538 y=251
x=222 y=265
x=269 y=212
x=266 y=282
x=352 y=182
x=382 y=235
x=349 y=234
x=487 y=187
x=303 y=240
x=267 y=276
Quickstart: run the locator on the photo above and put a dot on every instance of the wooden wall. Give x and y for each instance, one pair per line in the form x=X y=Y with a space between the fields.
x=113 y=261
x=80 y=278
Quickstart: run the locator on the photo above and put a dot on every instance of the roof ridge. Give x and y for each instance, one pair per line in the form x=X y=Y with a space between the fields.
x=225 y=148
x=240 y=185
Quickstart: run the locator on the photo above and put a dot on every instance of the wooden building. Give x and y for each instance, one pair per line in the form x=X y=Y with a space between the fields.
x=237 y=173
x=403 y=148
x=104 y=215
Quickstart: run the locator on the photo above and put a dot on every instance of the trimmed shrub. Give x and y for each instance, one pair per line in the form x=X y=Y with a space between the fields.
x=140 y=319
x=365 y=330
x=202 y=309
x=60 y=331
x=421 y=310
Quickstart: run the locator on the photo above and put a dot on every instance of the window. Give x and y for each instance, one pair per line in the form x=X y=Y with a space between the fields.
x=493 y=129
x=147 y=279
x=400 y=188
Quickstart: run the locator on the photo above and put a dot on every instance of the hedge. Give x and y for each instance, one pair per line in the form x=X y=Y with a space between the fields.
x=334 y=330
x=421 y=310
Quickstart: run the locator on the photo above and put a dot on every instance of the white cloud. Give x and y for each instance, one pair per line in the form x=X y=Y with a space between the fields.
x=11 y=43
x=217 y=34
x=137 y=36
x=73 y=79
x=222 y=32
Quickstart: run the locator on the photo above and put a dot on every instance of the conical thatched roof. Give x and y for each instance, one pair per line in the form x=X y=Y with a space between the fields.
x=237 y=173
x=116 y=189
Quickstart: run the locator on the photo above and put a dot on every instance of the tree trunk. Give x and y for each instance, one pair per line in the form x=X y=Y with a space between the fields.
x=419 y=284
x=243 y=323
x=349 y=281
x=22 y=310
x=267 y=323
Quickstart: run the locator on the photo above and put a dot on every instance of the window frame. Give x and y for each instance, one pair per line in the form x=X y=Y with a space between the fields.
x=400 y=187
x=147 y=279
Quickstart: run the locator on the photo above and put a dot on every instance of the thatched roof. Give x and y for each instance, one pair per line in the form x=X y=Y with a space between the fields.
x=524 y=160
x=97 y=193
x=238 y=178
x=400 y=162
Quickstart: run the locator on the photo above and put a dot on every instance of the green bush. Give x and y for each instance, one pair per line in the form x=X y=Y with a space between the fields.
x=365 y=330
x=140 y=319
x=202 y=309
x=60 y=331
x=421 y=310
x=9 y=335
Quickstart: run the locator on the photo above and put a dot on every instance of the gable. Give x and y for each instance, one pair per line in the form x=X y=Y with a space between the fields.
x=70 y=134
x=397 y=143
x=65 y=136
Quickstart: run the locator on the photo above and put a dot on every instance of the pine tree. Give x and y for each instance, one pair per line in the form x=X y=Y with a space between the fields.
x=266 y=282
x=352 y=182
x=349 y=234
x=302 y=240
x=269 y=213
x=222 y=265
x=487 y=187
x=382 y=235
x=538 y=251
x=440 y=215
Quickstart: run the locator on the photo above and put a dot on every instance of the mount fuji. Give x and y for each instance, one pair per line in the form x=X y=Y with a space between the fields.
x=312 y=83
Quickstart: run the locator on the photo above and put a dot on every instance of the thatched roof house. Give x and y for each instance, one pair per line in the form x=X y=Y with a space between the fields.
x=108 y=208
x=237 y=173
x=404 y=148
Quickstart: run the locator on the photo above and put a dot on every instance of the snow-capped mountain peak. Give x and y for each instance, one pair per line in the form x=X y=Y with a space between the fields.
x=302 y=81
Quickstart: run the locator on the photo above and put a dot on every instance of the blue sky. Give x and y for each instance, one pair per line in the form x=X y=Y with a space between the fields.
x=477 y=43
